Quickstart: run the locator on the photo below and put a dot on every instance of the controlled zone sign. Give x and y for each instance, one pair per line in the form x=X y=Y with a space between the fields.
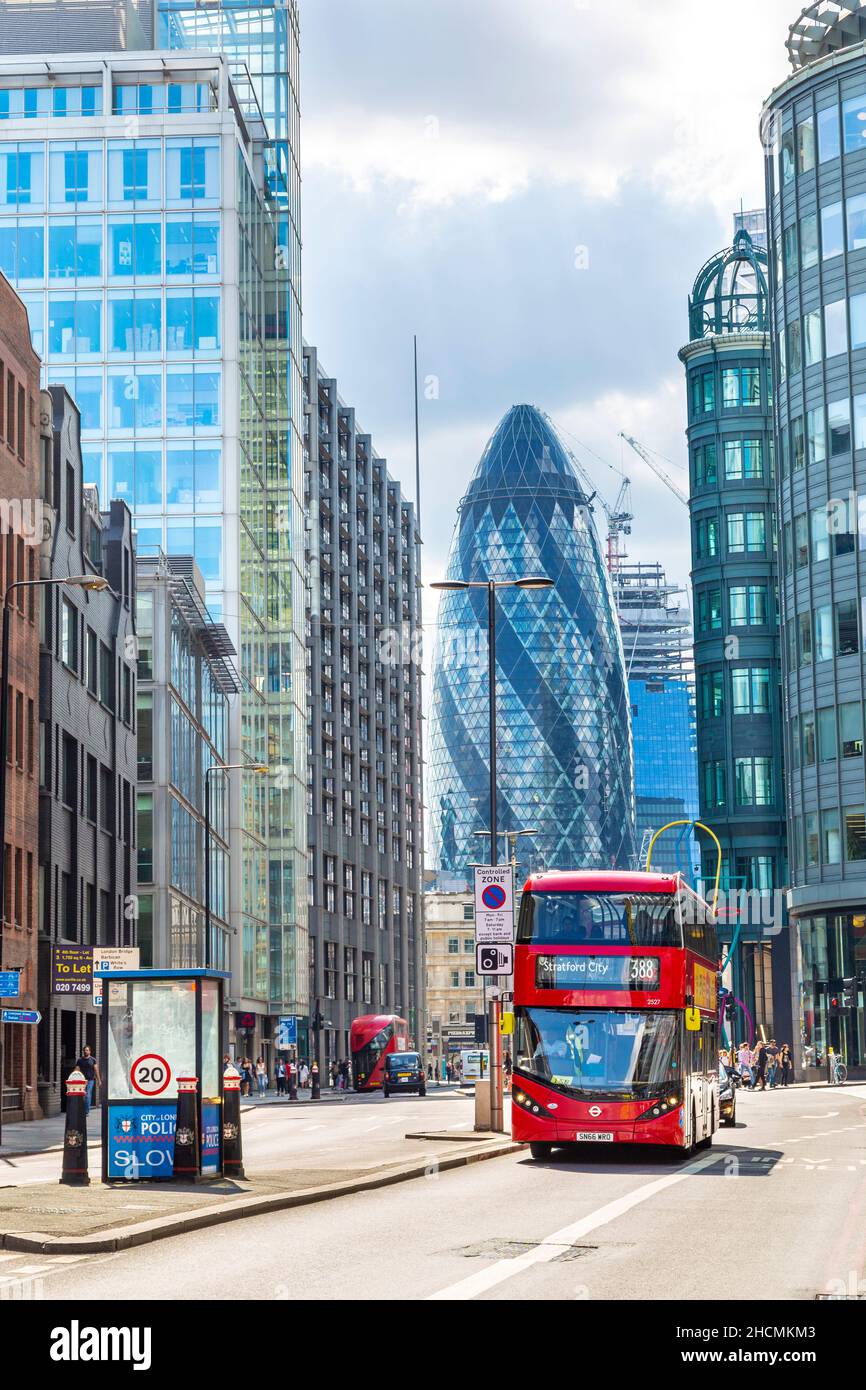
x=150 y=1074
x=494 y=905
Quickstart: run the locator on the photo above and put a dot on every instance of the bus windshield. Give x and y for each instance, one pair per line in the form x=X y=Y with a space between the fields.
x=614 y=919
x=602 y=1051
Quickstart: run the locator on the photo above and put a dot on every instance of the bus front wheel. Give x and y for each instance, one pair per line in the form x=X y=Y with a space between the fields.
x=540 y=1151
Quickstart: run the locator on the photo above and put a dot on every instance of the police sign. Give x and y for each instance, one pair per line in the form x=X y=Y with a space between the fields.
x=494 y=905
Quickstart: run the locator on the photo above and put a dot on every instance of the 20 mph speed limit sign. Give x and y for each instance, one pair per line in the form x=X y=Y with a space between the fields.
x=150 y=1074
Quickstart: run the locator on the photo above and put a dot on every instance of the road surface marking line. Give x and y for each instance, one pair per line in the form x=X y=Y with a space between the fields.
x=551 y=1246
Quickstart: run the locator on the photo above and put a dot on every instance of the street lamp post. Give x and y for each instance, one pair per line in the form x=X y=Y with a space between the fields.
x=93 y=583
x=491 y=585
x=216 y=767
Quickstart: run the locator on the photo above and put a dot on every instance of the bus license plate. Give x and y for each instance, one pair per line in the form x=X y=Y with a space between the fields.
x=594 y=1136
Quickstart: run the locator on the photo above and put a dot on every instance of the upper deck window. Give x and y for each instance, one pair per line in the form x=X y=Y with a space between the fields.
x=610 y=919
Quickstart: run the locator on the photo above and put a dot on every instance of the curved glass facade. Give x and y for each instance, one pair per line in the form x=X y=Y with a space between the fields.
x=815 y=128
x=734 y=574
x=564 y=740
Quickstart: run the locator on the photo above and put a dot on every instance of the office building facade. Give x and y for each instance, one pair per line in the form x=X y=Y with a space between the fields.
x=737 y=650
x=186 y=680
x=565 y=765
x=364 y=751
x=138 y=219
x=87 y=760
x=656 y=636
x=813 y=126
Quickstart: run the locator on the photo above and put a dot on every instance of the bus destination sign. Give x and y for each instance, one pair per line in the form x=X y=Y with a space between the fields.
x=635 y=973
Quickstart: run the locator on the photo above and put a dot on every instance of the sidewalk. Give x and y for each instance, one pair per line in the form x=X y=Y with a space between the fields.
x=103 y=1218
x=40 y=1136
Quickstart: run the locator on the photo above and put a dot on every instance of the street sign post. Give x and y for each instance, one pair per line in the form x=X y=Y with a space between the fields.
x=10 y=984
x=494 y=960
x=494 y=905
x=21 y=1016
x=111 y=958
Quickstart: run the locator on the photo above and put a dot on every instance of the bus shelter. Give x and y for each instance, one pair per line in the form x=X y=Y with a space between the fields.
x=158 y=1025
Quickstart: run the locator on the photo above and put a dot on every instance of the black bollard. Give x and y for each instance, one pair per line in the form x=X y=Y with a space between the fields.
x=75 y=1172
x=186 y=1139
x=315 y=1089
x=233 y=1163
x=293 y=1080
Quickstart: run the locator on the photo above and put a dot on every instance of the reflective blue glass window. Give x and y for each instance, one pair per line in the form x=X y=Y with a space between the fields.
x=192 y=398
x=208 y=549
x=22 y=175
x=74 y=325
x=180 y=537
x=135 y=400
x=135 y=247
x=24 y=103
x=179 y=399
x=92 y=467
x=192 y=246
x=191 y=172
x=208 y=477
x=22 y=251
x=74 y=173
x=88 y=398
x=75 y=248
x=134 y=174
x=35 y=306
x=854 y=123
x=135 y=474
x=134 y=322
x=148 y=539
x=178 y=321
x=9 y=250
x=179 y=476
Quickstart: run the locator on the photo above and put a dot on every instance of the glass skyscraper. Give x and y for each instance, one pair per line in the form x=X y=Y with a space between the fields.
x=149 y=218
x=814 y=127
x=564 y=739
x=656 y=635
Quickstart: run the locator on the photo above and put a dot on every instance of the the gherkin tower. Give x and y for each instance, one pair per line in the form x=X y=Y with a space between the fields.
x=564 y=736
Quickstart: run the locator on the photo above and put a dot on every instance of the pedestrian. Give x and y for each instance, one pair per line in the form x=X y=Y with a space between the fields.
x=759 y=1062
x=89 y=1067
x=304 y=1076
x=261 y=1075
x=772 y=1063
x=344 y=1074
x=449 y=1072
x=280 y=1076
x=786 y=1063
x=744 y=1062
x=429 y=1071
x=507 y=1065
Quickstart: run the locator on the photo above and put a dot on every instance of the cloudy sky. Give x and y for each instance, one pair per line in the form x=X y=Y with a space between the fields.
x=530 y=186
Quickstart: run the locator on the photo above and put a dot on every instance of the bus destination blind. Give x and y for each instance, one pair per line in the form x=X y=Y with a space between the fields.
x=633 y=973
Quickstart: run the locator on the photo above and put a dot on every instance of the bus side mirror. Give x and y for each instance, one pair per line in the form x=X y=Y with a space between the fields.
x=693 y=1020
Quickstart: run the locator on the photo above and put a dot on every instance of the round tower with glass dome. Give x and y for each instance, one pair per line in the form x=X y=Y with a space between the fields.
x=734 y=577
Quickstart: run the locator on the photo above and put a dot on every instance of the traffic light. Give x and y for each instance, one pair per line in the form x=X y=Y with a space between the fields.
x=849 y=993
x=838 y=1006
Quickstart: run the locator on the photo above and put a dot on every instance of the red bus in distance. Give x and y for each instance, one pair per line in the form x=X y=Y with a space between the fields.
x=616 y=1004
x=371 y=1038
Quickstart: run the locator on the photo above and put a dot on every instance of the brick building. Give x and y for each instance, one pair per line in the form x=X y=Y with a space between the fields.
x=20 y=540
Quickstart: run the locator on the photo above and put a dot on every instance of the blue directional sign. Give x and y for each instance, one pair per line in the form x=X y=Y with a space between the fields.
x=287 y=1032
x=10 y=984
x=21 y=1016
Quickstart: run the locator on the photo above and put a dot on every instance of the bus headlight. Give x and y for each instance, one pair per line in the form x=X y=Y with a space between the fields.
x=529 y=1104
x=660 y=1108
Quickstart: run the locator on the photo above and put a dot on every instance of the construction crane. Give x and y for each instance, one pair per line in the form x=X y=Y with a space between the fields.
x=620 y=515
x=644 y=453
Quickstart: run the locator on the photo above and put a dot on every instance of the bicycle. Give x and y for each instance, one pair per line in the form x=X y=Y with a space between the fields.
x=840 y=1074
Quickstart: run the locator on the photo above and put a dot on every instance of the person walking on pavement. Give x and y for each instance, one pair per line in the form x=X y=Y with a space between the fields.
x=89 y=1067
x=786 y=1065
x=772 y=1063
x=304 y=1076
x=344 y=1074
x=744 y=1062
x=507 y=1066
x=759 y=1062
x=280 y=1076
x=261 y=1075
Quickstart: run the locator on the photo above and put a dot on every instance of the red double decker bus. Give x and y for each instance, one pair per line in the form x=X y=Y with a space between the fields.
x=616 y=1003
x=371 y=1038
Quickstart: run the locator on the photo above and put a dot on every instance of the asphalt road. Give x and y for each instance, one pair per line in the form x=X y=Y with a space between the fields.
x=777 y=1207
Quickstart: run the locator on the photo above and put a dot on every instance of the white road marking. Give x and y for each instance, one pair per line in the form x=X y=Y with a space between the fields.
x=552 y=1245
x=825 y=1115
x=307 y=1128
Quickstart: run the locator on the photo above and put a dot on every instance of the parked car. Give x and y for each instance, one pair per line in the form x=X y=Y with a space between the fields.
x=727 y=1097
x=404 y=1071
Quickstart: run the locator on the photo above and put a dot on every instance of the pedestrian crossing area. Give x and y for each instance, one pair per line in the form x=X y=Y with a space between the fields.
x=26 y=1276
